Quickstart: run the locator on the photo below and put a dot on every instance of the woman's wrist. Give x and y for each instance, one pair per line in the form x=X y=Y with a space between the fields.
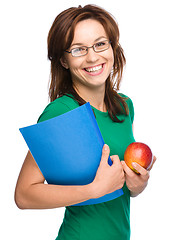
x=92 y=190
x=136 y=192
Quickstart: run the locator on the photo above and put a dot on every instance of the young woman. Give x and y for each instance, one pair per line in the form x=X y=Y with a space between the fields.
x=86 y=66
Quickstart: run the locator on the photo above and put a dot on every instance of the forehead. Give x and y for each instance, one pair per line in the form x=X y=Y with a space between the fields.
x=88 y=31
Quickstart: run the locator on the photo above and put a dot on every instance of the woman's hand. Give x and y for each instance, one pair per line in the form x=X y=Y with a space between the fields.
x=108 y=178
x=136 y=183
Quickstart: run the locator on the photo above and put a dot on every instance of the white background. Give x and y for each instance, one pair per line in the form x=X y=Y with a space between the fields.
x=150 y=38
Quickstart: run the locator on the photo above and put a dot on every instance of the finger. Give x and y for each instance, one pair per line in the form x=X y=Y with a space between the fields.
x=116 y=162
x=127 y=170
x=115 y=159
x=142 y=171
x=105 y=154
x=154 y=160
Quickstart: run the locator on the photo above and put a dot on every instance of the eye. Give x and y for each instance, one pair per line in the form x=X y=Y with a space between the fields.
x=78 y=50
x=101 y=44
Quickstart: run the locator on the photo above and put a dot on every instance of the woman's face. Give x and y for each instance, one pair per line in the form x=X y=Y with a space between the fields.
x=93 y=69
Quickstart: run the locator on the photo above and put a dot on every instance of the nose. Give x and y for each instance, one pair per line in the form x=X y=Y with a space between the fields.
x=92 y=56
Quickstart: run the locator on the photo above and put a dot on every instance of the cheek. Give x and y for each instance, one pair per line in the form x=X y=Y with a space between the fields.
x=75 y=69
x=110 y=57
x=72 y=62
x=111 y=61
x=75 y=65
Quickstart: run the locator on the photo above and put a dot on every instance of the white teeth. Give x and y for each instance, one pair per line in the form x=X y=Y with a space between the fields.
x=93 y=69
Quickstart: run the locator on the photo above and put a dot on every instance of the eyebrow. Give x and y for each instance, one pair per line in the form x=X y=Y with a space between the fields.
x=82 y=44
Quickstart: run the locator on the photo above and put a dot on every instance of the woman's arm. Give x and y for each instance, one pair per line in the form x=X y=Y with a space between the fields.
x=136 y=183
x=32 y=193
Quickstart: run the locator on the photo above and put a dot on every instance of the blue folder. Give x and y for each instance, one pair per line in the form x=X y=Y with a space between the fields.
x=68 y=148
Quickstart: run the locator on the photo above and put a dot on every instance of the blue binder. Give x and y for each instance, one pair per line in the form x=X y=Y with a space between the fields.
x=68 y=149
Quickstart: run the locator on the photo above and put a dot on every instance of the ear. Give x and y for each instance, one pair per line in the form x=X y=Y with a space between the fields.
x=64 y=62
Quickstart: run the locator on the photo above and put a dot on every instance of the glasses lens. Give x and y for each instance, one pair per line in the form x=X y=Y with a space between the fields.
x=79 y=51
x=101 y=46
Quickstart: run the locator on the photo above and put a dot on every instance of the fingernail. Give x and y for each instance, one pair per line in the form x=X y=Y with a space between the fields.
x=105 y=147
x=134 y=164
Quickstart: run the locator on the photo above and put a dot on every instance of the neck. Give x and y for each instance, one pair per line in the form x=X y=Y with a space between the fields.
x=94 y=96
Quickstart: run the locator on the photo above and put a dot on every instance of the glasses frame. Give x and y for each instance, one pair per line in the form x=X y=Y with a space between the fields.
x=93 y=46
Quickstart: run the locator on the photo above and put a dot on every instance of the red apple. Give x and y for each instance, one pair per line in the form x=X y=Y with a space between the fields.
x=140 y=153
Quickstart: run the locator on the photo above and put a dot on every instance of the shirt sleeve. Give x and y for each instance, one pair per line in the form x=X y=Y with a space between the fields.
x=52 y=110
x=131 y=109
x=130 y=106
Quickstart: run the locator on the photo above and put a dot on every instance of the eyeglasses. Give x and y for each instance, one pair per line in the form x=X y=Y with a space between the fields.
x=83 y=50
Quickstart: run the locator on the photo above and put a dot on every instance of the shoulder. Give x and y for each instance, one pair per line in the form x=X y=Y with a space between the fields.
x=129 y=102
x=57 y=107
x=126 y=99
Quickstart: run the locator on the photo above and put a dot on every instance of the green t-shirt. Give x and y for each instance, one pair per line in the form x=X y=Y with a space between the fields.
x=103 y=221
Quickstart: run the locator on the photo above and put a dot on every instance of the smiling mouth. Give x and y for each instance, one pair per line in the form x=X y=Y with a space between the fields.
x=94 y=69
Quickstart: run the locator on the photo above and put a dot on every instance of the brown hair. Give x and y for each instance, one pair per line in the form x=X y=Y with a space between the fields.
x=60 y=38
